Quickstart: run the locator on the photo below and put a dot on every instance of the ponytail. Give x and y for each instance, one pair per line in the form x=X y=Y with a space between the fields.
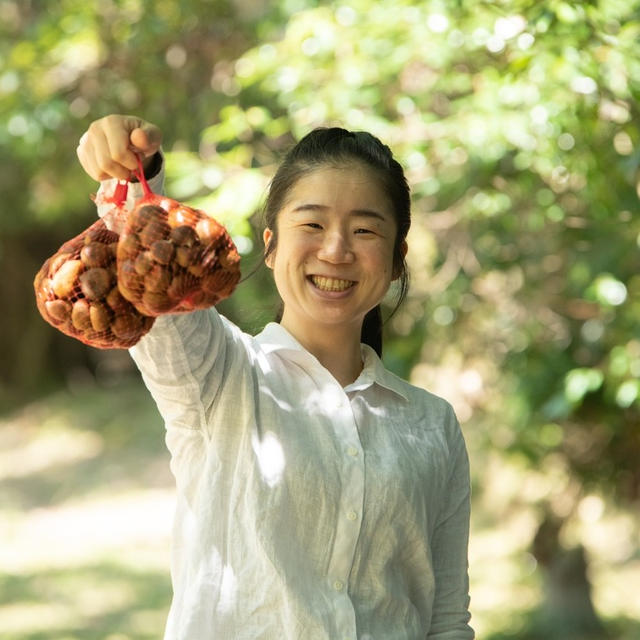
x=371 y=332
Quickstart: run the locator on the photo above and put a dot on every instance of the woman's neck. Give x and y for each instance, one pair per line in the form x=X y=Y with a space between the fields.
x=336 y=348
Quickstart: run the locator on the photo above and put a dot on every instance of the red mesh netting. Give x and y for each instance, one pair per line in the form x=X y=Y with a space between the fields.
x=105 y=289
x=77 y=292
x=174 y=259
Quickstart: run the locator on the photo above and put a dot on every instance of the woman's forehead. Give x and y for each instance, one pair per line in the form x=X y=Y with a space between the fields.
x=351 y=186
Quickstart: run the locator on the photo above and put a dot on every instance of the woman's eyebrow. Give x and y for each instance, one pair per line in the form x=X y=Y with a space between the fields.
x=361 y=213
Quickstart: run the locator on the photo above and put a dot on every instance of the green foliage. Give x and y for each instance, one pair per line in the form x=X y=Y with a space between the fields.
x=517 y=123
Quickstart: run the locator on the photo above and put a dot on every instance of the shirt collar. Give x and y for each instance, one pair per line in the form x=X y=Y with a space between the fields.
x=274 y=337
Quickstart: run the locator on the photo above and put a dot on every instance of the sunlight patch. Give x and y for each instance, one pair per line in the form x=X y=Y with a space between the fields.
x=270 y=457
x=228 y=590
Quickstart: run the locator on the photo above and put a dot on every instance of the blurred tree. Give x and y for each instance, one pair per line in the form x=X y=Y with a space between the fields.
x=517 y=122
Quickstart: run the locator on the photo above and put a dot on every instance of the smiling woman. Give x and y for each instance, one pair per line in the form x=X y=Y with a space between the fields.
x=319 y=496
x=334 y=163
x=334 y=260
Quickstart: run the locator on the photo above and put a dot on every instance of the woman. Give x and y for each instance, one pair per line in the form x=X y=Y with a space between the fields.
x=318 y=495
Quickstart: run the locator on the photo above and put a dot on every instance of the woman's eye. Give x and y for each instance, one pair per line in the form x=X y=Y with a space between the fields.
x=362 y=230
x=313 y=225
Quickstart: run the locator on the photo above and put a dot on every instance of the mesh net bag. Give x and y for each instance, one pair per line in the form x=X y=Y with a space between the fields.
x=77 y=293
x=174 y=259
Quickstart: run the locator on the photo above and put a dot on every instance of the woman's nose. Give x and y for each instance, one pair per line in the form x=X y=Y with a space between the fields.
x=336 y=248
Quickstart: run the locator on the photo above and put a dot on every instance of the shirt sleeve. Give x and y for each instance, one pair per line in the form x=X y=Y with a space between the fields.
x=450 y=619
x=182 y=361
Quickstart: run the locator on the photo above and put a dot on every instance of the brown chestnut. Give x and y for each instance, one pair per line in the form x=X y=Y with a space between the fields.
x=127 y=326
x=117 y=301
x=183 y=236
x=80 y=315
x=59 y=310
x=129 y=277
x=162 y=251
x=155 y=230
x=64 y=281
x=145 y=214
x=95 y=283
x=128 y=247
x=96 y=254
x=100 y=316
x=181 y=285
x=158 y=279
x=143 y=263
x=209 y=231
x=156 y=302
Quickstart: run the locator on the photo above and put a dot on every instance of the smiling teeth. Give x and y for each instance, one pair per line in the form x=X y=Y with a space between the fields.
x=330 y=284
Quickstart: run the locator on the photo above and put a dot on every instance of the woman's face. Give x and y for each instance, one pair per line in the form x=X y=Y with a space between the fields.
x=334 y=256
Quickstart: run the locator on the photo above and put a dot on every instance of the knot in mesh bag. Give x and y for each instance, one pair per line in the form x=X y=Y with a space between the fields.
x=174 y=259
x=76 y=292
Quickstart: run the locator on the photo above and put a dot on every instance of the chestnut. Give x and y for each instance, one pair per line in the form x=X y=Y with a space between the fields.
x=180 y=215
x=155 y=230
x=96 y=254
x=128 y=276
x=95 y=283
x=128 y=247
x=186 y=256
x=100 y=316
x=64 y=281
x=117 y=301
x=143 y=215
x=209 y=231
x=80 y=315
x=143 y=263
x=162 y=251
x=229 y=258
x=183 y=236
x=156 y=302
x=59 y=310
x=180 y=286
x=158 y=279
x=126 y=326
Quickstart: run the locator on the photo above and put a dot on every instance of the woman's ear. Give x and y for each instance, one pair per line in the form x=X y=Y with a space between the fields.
x=397 y=270
x=267 y=236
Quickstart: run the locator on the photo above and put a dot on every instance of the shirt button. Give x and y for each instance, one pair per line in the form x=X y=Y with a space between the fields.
x=352 y=515
x=352 y=451
x=338 y=585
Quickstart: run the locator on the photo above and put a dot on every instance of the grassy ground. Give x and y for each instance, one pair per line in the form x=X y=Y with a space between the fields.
x=86 y=503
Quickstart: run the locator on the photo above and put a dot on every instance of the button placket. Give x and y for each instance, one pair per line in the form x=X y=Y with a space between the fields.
x=347 y=528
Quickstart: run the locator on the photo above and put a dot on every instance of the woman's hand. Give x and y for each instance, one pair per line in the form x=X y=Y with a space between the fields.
x=107 y=149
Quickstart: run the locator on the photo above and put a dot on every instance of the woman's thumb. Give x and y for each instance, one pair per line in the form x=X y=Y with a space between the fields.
x=146 y=138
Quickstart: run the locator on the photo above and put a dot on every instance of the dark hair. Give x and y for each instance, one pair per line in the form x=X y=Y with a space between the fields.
x=335 y=147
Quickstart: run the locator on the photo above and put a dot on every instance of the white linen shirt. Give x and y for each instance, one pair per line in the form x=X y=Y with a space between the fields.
x=305 y=510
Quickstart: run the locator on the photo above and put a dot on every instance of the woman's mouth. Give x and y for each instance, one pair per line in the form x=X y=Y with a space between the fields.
x=331 y=284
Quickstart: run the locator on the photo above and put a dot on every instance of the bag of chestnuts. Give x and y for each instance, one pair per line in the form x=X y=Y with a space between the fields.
x=105 y=289
x=174 y=259
x=76 y=292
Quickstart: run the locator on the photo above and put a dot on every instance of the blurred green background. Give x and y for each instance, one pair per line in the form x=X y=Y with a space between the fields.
x=518 y=125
